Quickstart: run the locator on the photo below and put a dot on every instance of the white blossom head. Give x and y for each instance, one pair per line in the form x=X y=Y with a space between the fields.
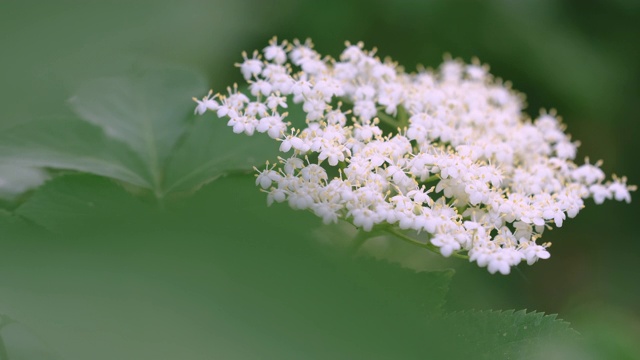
x=448 y=153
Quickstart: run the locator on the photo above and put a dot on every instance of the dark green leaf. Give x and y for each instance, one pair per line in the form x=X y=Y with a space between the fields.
x=18 y=343
x=212 y=150
x=70 y=144
x=149 y=111
x=218 y=262
x=83 y=203
x=151 y=141
x=507 y=334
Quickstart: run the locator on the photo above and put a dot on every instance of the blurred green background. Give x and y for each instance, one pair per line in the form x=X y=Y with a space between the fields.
x=579 y=57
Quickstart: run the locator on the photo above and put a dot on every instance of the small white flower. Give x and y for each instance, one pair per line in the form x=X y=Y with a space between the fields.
x=503 y=259
x=600 y=193
x=532 y=252
x=207 y=103
x=250 y=67
x=266 y=178
x=447 y=244
x=275 y=52
x=620 y=190
x=273 y=125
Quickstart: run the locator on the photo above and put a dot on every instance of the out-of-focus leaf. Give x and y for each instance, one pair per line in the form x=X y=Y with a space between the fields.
x=227 y=275
x=18 y=343
x=212 y=150
x=151 y=141
x=16 y=179
x=424 y=292
x=69 y=144
x=222 y=262
x=82 y=204
x=149 y=111
x=11 y=226
x=506 y=334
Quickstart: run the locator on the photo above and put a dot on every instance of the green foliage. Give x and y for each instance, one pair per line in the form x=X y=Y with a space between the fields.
x=18 y=343
x=137 y=129
x=16 y=179
x=82 y=204
x=11 y=224
x=271 y=286
x=69 y=144
x=149 y=111
x=507 y=334
x=211 y=151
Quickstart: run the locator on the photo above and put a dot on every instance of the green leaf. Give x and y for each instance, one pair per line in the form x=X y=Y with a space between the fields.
x=11 y=225
x=18 y=343
x=149 y=111
x=424 y=292
x=138 y=130
x=16 y=179
x=70 y=144
x=151 y=140
x=220 y=261
x=507 y=334
x=256 y=272
x=212 y=150
x=83 y=204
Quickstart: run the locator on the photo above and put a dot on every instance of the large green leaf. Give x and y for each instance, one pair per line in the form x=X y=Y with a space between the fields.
x=212 y=150
x=139 y=130
x=83 y=204
x=228 y=264
x=217 y=263
x=12 y=226
x=18 y=343
x=16 y=179
x=70 y=144
x=148 y=110
x=421 y=293
x=508 y=334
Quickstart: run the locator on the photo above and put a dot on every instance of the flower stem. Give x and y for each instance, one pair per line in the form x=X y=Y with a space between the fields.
x=431 y=247
x=403 y=117
x=431 y=178
x=409 y=239
x=388 y=120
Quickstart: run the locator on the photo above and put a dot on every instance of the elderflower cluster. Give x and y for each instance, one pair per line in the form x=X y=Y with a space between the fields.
x=446 y=152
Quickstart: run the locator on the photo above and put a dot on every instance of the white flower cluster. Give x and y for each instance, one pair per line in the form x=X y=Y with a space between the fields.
x=446 y=152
